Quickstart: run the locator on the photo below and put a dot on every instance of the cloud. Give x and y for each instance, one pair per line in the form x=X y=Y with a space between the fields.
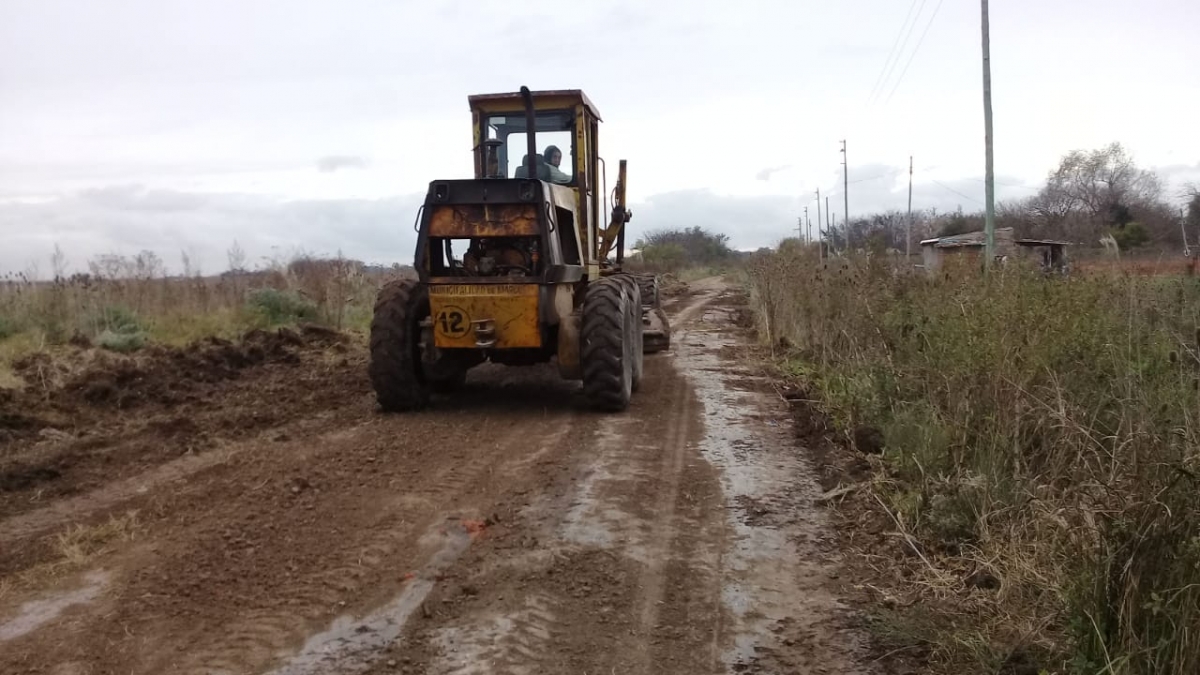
x=125 y=219
x=331 y=163
x=765 y=174
x=128 y=219
x=750 y=221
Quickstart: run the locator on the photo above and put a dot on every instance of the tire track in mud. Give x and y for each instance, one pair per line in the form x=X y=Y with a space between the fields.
x=615 y=544
x=663 y=527
x=261 y=636
x=217 y=588
x=104 y=499
x=650 y=552
x=510 y=644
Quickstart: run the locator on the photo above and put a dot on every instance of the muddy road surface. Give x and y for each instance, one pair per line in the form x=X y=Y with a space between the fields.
x=243 y=508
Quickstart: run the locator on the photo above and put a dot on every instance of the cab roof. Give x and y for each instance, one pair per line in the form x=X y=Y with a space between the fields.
x=552 y=98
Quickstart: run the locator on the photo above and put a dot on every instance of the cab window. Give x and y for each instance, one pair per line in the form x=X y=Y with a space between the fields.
x=555 y=135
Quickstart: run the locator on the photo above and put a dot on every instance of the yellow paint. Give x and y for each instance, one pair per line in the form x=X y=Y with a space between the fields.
x=512 y=309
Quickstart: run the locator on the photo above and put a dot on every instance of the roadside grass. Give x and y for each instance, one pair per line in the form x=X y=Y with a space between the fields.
x=1041 y=434
x=123 y=304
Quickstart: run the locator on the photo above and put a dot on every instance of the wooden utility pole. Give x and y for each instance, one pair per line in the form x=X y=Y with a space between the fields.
x=989 y=177
x=820 y=250
x=800 y=229
x=818 y=211
x=846 y=191
x=908 y=223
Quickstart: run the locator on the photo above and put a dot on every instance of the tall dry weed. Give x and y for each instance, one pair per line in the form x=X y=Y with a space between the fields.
x=1045 y=429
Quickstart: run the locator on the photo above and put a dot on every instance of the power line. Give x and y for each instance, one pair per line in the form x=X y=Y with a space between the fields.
x=903 y=44
x=1012 y=185
x=955 y=191
x=888 y=60
x=915 y=50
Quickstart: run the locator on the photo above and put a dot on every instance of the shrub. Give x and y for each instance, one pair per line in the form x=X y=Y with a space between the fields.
x=118 y=320
x=8 y=327
x=1130 y=236
x=121 y=342
x=277 y=307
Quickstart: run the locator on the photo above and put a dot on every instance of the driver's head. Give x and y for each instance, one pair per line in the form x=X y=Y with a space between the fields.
x=552 y=154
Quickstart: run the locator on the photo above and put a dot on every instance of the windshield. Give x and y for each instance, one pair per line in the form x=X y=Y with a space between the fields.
x=555 y=137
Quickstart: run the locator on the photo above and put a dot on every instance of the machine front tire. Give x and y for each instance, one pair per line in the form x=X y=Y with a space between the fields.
x=606 y=347
x=394 y=367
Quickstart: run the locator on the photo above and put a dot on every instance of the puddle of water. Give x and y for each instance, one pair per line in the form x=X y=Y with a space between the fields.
x=596 y=519
x=36 y=613
x=352 y=644
x=766 y=562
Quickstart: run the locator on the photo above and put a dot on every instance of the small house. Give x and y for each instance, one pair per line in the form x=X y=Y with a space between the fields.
x=1049 y=254
x=971 y=245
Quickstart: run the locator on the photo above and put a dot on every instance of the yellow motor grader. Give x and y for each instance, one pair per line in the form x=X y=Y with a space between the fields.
x=521 y=264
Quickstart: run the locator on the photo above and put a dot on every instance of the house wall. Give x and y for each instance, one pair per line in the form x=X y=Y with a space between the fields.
x=930 y=257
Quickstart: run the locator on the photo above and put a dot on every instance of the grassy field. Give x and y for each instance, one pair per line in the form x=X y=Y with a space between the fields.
x=124 y=305
x=1038 y=462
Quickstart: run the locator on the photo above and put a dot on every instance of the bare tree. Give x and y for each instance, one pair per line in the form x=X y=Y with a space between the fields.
x=237 y=257
x=1192 y=193
x=58 y=263
x=1104 y=184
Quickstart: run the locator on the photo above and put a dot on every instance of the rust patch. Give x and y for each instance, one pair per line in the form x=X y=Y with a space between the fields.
x=484 y=220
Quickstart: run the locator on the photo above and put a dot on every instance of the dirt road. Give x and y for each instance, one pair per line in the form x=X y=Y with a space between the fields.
x=244 y=509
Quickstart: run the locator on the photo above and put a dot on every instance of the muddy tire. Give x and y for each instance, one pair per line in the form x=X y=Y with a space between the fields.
x=394 y=367
x=660 y=339
x=606 y=348
x=636 y=327
x=648 y=289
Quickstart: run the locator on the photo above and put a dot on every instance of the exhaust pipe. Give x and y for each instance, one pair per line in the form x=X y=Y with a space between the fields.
x=531 y=127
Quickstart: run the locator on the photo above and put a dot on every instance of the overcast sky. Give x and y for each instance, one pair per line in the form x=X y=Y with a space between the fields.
x=300 y=125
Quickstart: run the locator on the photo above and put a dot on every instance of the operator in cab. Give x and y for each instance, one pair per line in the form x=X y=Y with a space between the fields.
x=553 y=159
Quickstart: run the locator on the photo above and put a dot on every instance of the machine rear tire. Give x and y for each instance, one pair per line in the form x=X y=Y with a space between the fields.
x=394 y=368
x=648 y=289
x=606 y=349
x=636 y=328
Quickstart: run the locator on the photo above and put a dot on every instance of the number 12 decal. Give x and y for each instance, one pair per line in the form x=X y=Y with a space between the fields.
x=452 y=322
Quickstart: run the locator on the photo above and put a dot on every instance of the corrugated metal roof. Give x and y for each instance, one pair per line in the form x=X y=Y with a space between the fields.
x=977 y=238
x=1043 y=242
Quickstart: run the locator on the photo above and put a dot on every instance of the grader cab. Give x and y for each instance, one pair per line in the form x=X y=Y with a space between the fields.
x=521 y=264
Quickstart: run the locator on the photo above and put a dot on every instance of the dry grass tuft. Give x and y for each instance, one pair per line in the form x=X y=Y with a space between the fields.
x=76 y=548
x=79 y=544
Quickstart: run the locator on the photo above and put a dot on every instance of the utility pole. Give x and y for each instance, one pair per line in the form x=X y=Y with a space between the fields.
x=818 y=211
x=820 y=247
x=807 y=225
x=846 y=190
x=989 y=178
x=908 y=224
x=800 y=229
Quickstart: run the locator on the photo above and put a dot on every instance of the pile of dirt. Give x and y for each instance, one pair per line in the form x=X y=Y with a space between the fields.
x=670 y=286
x=81 y=378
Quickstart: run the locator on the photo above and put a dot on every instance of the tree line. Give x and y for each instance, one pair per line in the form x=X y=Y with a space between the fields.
x=1090 y=196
